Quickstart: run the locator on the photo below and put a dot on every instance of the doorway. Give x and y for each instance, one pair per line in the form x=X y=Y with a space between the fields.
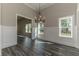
x=24 y=28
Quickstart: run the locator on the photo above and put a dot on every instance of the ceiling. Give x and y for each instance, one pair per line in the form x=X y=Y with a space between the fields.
x=35 y=6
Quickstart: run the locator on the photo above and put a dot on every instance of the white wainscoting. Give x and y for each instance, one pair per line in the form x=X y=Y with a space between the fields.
x=52 y=34
x=77 y=39
x=9 y=36
x=0 y=39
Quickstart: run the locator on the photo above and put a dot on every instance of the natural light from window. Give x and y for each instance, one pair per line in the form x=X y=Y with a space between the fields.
x=28 y=28
x=65 y=26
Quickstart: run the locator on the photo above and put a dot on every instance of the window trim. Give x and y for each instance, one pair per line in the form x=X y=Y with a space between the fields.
x=67 y=17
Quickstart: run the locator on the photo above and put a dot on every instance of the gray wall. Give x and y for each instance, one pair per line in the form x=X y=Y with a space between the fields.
x=53 y=13
x=56 y=11
x=9 y=26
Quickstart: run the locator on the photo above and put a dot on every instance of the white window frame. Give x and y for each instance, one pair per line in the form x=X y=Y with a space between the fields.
x=60 y=28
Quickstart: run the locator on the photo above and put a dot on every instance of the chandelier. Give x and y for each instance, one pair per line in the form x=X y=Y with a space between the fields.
x=39 y=17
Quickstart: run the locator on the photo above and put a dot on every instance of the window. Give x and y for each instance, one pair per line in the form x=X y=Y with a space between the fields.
x=39 y=29
x=65 y=26
x=28 y=28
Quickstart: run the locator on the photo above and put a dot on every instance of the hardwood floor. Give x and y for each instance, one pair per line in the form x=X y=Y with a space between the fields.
x=28 y=47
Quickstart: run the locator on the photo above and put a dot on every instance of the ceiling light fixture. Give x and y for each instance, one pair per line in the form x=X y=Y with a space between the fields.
x=39 y=17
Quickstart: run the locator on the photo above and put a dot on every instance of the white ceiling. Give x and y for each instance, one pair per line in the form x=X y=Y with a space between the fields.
x=35 y=6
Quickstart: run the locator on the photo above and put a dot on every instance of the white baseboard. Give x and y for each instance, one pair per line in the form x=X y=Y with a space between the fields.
x=9 y=44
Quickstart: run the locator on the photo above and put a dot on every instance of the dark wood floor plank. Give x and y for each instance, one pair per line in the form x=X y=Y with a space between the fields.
x=28 y=47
